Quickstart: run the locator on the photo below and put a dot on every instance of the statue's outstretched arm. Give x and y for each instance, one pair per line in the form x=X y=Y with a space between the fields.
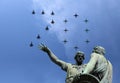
x=52 y=56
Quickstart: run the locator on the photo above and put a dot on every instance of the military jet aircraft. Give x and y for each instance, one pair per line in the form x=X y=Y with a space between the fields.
x=87 y=41
x=31 y=44
x=38 y=36
x=52 y=22
x=42 y=12
x=52 y=13
x=65 y=20
x=76 y=15
x=33 y=12
x=47 y=28
x=65 y=30
x=86 y=20
x=87 y=30
x=76 y=48
x=65 y=41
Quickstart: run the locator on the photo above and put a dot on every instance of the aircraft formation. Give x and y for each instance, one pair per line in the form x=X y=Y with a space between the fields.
x=65 y=41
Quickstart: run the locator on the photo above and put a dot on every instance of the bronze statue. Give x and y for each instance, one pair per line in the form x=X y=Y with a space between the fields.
x=97 y=70
x=73 y=70
x=99 y=66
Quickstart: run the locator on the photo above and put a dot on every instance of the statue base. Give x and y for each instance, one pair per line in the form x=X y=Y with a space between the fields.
x=87 y=78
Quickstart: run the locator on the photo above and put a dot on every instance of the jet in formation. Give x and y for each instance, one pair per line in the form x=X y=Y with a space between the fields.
x=65 y=21
x=31 y=44
x=86 y=20
x=47 y=28
x=52 y=13
x=76 y=15
x=65 y=41
x=87 y=30
x=42 y=12
x=38 y=36
x=33 y=12
x=76 y=48
x=52 y=22
x=87 y=41
x=65 y=30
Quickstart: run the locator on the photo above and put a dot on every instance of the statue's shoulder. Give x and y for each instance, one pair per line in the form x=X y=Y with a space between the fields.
x=72 y=65
x=69 y=64
x=81 y=66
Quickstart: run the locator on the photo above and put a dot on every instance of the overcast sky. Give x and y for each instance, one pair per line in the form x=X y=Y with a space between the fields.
x=20 y=63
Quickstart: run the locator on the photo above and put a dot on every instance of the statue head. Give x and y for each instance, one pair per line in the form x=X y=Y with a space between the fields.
x=99 y=50
x=79 y=57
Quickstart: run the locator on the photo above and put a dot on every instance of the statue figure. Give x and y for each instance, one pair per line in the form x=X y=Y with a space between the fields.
x=73 y=70
x=99 y=66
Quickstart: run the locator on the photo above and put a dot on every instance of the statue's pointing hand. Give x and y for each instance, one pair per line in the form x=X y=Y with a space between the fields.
x=43 y=48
